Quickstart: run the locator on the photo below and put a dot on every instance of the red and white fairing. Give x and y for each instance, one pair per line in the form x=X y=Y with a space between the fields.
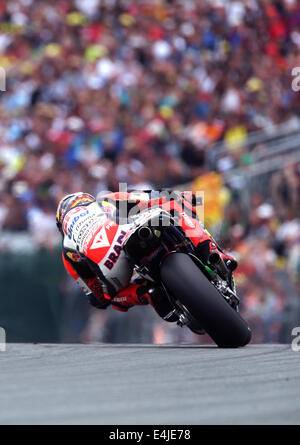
x=90 y=232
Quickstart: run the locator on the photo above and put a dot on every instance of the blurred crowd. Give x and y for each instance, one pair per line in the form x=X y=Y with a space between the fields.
x=266 y=239
x=100 y=92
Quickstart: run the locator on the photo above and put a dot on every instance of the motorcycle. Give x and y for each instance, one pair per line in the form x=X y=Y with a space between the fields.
x=202 y=294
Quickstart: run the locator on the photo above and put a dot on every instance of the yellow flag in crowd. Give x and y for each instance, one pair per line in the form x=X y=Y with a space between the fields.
x=215 y=197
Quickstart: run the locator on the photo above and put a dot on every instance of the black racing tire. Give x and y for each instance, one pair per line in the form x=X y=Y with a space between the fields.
x=187 y=283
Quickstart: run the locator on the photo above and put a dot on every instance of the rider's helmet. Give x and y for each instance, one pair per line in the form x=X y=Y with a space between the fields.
x=69 y=202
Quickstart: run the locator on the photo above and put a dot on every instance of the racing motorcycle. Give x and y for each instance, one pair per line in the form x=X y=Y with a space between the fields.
x=202 y=294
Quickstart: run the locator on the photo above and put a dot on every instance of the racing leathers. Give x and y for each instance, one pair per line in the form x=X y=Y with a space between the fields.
x=105 y=274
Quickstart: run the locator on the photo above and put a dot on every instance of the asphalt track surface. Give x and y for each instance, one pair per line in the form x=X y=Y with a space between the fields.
x=147 y=384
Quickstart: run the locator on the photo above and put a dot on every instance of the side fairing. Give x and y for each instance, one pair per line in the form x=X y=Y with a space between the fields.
x=104 y=247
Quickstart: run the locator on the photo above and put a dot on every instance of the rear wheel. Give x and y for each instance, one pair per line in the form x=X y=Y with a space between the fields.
x=189 y=285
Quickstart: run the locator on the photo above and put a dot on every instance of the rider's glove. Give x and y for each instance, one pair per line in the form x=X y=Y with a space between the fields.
x=95 y=302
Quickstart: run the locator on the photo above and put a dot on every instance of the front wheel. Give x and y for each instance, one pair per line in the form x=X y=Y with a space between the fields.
x=189 y=285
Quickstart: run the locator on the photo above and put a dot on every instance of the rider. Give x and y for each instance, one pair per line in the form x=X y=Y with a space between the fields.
x=106 y=279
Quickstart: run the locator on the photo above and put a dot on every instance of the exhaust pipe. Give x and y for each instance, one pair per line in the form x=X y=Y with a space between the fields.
x=145 y=233
x=216 y=260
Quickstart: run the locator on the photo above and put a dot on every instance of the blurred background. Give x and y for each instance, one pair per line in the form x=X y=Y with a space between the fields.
x=194 y=95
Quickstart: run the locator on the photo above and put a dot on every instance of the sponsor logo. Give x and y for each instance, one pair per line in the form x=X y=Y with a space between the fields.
x=69 y=216
x=89 y=235
x=116 y=250
x=100 y=239
x=83 y=227
x=119 y=299
x=73 y=222
x=74 y=257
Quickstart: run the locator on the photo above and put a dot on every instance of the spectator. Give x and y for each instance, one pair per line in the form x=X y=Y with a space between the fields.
x=101 y=92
